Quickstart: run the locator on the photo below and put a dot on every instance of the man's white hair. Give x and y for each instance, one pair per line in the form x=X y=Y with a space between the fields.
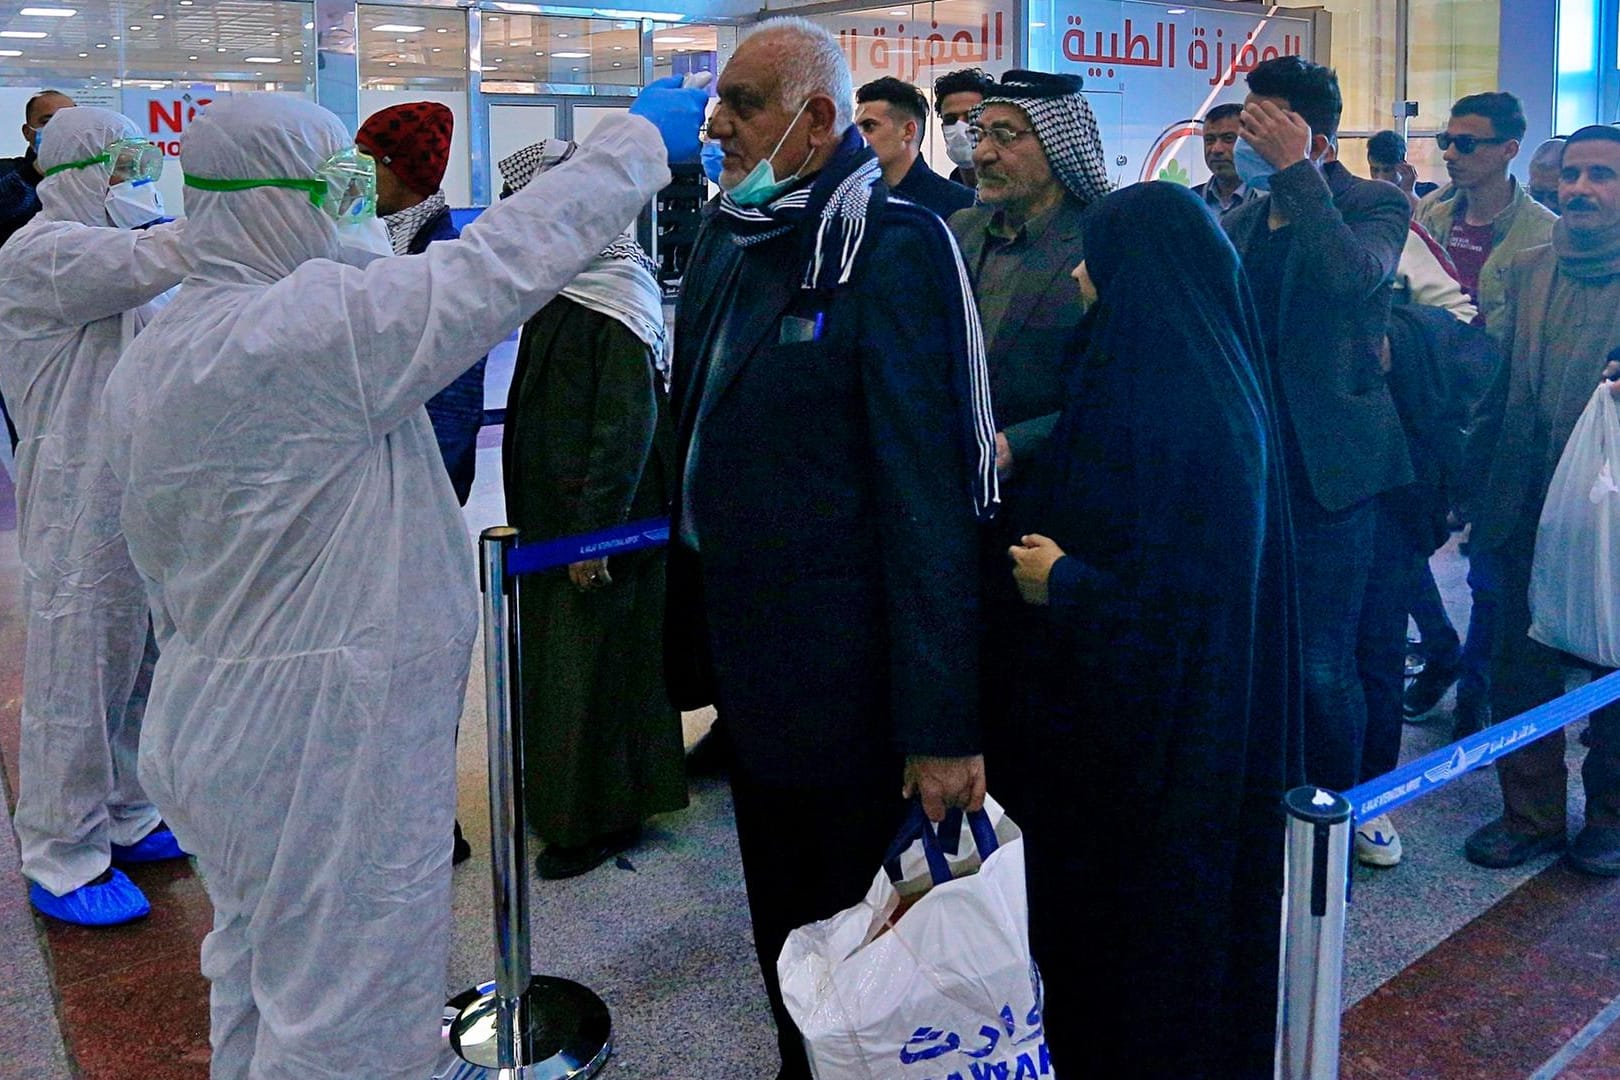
x=817 y=66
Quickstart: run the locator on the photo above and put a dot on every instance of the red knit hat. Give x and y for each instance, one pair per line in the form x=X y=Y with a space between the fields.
x=413 y=140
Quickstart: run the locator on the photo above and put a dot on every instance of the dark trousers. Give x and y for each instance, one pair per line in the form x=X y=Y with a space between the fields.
x=1334 y=555
x=1479 y=650
x=807 y=854
x=1381 y=642
x=1535 y=780
x=1440 y=640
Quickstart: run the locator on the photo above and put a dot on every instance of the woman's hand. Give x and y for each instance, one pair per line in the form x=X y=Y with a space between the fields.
x=1032 y=558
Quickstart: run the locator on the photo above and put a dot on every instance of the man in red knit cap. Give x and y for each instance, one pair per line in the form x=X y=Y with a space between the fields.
x=411 y=144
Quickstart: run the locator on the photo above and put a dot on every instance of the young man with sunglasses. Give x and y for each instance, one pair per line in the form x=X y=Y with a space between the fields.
x=1484 y=216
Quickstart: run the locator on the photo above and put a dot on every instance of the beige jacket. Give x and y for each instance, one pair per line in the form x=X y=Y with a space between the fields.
x=1524 y=224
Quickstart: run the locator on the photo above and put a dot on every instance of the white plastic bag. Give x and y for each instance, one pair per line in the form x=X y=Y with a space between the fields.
x=1575 y=578
x=949 y=992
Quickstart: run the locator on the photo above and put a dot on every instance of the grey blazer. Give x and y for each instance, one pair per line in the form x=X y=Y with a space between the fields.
x=1025 y=357
x=1348 y=236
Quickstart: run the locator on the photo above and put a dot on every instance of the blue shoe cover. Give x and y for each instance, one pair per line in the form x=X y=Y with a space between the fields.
x=115 y=902
x=159 y=845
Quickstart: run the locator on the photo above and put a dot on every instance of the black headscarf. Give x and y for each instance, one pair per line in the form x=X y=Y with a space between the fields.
x=1165 y=691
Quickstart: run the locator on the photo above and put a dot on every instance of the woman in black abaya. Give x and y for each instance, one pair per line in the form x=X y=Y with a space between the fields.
x=1156 y=729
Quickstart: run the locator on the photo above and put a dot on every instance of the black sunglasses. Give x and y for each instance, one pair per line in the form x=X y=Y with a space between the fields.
x=1465 y=144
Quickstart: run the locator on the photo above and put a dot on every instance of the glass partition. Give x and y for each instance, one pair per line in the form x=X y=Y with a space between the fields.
x=536 y=54
x=418 y=54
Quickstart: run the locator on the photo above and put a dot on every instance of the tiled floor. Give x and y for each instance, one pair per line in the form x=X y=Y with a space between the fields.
x=1452 y=971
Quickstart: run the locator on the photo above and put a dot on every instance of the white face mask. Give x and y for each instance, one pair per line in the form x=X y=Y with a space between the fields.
x=957 y=145
x=134 y=204
x=363 y=240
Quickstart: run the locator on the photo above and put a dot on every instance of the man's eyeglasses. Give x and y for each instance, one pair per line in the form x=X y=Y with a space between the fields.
x=1465 y=144
x=1002 y=136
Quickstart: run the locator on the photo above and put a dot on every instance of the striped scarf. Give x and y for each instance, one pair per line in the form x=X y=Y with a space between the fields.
x=838 y=199
x=844 y=205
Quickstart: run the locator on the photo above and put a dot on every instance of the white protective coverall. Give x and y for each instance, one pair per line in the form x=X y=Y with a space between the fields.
x=68 y=284
x=312 y=580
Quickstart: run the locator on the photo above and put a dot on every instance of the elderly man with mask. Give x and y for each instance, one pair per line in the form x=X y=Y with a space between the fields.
x=836 y=457
x=72 y=288
x=309 y=572
x=1559 y=332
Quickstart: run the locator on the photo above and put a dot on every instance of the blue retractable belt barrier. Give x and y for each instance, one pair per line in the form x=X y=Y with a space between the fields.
x=1417 y=778
x=546 y=554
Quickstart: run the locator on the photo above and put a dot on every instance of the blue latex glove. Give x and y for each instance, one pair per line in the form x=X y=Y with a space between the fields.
x=676 y=112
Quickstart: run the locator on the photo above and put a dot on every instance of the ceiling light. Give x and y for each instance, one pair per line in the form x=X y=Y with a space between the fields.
x=28 y=34
x=220 y=49
x=203 y=40
x=10 y=52
x=899 y=11
x=675 y=40
x=1176 y=11
x=101 y=44
x=562 y=35
x=660 y=59
x=572 y=55
x=159 y=15
x=50 y=12
x=617 y=64
x=309 y=26
x=191 y=58
x=539 y=54
x=83 y=55
x=437 y=49
x=132 y=26
x=261 y=59
x=298 y=52
x=576 y=69
x=441 y=30
x=618 y=48
x=275 y=33
x=398 y=28
x=392 y=64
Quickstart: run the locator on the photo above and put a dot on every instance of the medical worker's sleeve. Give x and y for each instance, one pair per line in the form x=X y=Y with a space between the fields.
x=98 y=273
x=417 y=323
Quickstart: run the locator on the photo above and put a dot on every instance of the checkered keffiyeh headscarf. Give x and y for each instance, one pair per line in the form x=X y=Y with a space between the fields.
x=1063 y=123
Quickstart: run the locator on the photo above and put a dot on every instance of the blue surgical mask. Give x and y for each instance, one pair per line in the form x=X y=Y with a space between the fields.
x=712 y=156
x=1254 y=170
x=39 y=133
x=760 y=186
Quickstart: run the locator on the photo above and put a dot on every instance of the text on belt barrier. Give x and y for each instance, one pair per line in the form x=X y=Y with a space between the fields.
x=1400 y=786
x=619 y=540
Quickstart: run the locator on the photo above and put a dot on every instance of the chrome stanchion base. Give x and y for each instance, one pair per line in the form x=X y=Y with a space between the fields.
x=570 y=1032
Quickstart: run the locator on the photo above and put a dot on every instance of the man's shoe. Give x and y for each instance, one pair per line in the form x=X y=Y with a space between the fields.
x=1497 y=847
x=1471 y=715
x=1377 y=843
x=1596 y=851
x=460 y=850
x=159 y=845
x=110 y=900
x=560 y=861
x=1430 y=685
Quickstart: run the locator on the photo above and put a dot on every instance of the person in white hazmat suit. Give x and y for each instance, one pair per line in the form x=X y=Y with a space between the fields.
x=73 y=285
x=311 y=576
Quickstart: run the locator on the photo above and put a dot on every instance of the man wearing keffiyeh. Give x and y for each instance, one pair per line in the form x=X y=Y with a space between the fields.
x=1039 y=162
x=836 y=456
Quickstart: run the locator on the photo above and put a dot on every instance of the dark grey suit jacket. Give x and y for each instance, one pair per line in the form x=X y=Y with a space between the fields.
x=1025 y=357
x=1348 y=236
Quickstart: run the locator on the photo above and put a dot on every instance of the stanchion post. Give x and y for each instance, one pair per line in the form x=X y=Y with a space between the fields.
x=535 y=1028
x=1311 y=967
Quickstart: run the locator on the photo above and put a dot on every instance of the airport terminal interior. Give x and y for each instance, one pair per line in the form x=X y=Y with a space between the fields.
x=1450 y=971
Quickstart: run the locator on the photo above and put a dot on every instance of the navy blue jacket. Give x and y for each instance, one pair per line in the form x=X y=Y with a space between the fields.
x=925 y=187
x=19 y=202
x=457 y=411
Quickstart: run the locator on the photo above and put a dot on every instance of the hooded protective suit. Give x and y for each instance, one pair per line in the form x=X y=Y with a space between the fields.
x=312 y=579
x=68 y=284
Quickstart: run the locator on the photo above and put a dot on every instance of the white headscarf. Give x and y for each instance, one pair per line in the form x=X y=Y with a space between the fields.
x=79 y=195
x=262 y=234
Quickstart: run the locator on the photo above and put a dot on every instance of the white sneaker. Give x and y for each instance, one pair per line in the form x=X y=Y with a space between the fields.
x=1377 y=842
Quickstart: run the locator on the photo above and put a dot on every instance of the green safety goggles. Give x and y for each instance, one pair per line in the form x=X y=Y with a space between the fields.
x=127 y=161
x=344 y=187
